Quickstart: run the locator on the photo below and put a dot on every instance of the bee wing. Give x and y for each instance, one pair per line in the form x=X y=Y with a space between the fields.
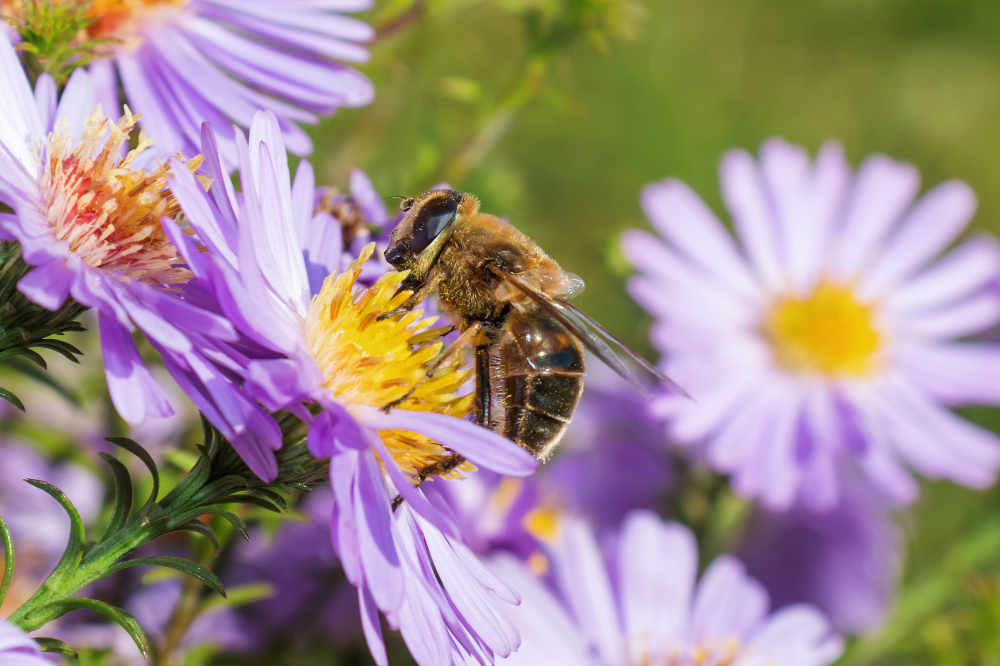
x=590 y=333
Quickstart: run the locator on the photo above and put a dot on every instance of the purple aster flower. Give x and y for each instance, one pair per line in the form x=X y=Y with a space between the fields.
x=184 y=62
x=275 y=272
x=846 y=561
x=90 y=224
x=645 y=608
x=825 y=331
x=17 y=648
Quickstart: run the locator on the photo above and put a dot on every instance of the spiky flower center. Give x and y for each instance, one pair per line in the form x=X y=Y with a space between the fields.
x=106 y=211
x=374 y=363
x=827 y=332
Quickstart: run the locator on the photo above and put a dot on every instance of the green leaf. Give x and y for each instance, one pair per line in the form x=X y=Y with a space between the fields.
x=123 y=495
x=190 y=484
x=140 y=453
x=177 y=564
x=70 y=559
x=248 y=499
x=61 y=347
x=119 y=615
x=56 y=646
x=32 y=356
x=206 y=531
x=8 y=560
x=240 y=526
x=11 y=398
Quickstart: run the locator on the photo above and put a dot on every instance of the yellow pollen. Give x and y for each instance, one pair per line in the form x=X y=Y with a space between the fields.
x=106 y=211
x=373 y=363
x=828 y=332
x=543 y=522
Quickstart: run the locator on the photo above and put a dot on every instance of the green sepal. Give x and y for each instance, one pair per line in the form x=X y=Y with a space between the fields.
x=11 y=398
x=8 y=560
x=177 y=564
x=119 y=615
x=71 y=557
x=203 y=529
x=56 y=646
x=190 y=484
x=140 y=453
x=123 y=495
x=62 y=347
x=32 y=356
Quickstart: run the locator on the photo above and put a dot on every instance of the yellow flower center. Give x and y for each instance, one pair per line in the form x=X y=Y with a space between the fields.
x=373 y=363
x=827 y=332
x=106 y=211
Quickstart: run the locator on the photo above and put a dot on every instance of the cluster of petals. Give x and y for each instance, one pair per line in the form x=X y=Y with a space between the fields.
x=270 y=255
x=822 y=338
x=39 y=134
x=184 y=62
x=640 y=605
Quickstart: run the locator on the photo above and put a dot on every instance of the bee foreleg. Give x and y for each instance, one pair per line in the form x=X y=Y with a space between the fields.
x=421 y=292
x=463 y=341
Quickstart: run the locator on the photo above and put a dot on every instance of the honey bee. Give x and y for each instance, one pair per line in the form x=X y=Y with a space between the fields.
x=508 y=299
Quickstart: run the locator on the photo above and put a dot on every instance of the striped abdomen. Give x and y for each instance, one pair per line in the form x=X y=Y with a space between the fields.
x=537 y=368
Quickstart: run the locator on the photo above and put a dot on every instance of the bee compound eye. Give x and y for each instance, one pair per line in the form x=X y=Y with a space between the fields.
x=433 y=218
x=405 y=205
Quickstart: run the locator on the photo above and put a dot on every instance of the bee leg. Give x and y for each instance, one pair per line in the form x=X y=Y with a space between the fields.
x=422 y=292
x=437 y=469
x=459 y=345
x=483 y=392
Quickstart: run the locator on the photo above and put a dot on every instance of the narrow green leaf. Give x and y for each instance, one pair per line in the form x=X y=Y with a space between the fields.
x=11 y=398
x=123 y=495
x=121 y=616
x=271 y=496
x=8 y=560
x=70 y=559
x=206 y=531
x=140 y=453
x=190 y=484
x=56 y=646
x=248 y=499
x=60 y=347
x=177 y=564
x=32 y=356
x=240 y=526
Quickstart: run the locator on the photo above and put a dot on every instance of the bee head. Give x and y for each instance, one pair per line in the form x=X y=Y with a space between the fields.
x=427 y=219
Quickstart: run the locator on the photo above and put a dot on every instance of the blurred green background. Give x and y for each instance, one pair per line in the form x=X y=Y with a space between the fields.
x=560 y=134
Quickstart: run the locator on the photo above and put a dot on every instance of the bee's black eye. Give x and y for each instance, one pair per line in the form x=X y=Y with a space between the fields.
x=405 y=205
x=432 y=219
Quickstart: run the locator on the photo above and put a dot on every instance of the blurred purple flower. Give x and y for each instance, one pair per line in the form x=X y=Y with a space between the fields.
x=184 y=62
x=273 y=266
x=18 y=649
x=37 y=523
x=90 y=224
x=823 y=332
x=846 y=561
x=643 y=606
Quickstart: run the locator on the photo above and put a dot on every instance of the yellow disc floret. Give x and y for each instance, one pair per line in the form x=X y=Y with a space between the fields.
x=106 y=211
x=374 y=363
x=827 y=332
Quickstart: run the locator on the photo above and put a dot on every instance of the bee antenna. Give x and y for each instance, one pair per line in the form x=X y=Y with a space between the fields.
x=397 y=196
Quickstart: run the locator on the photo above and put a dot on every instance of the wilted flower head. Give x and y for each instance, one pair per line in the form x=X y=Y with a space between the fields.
x=277 y=277
x=644 y=608
x=183 y=62
x=823 y=334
